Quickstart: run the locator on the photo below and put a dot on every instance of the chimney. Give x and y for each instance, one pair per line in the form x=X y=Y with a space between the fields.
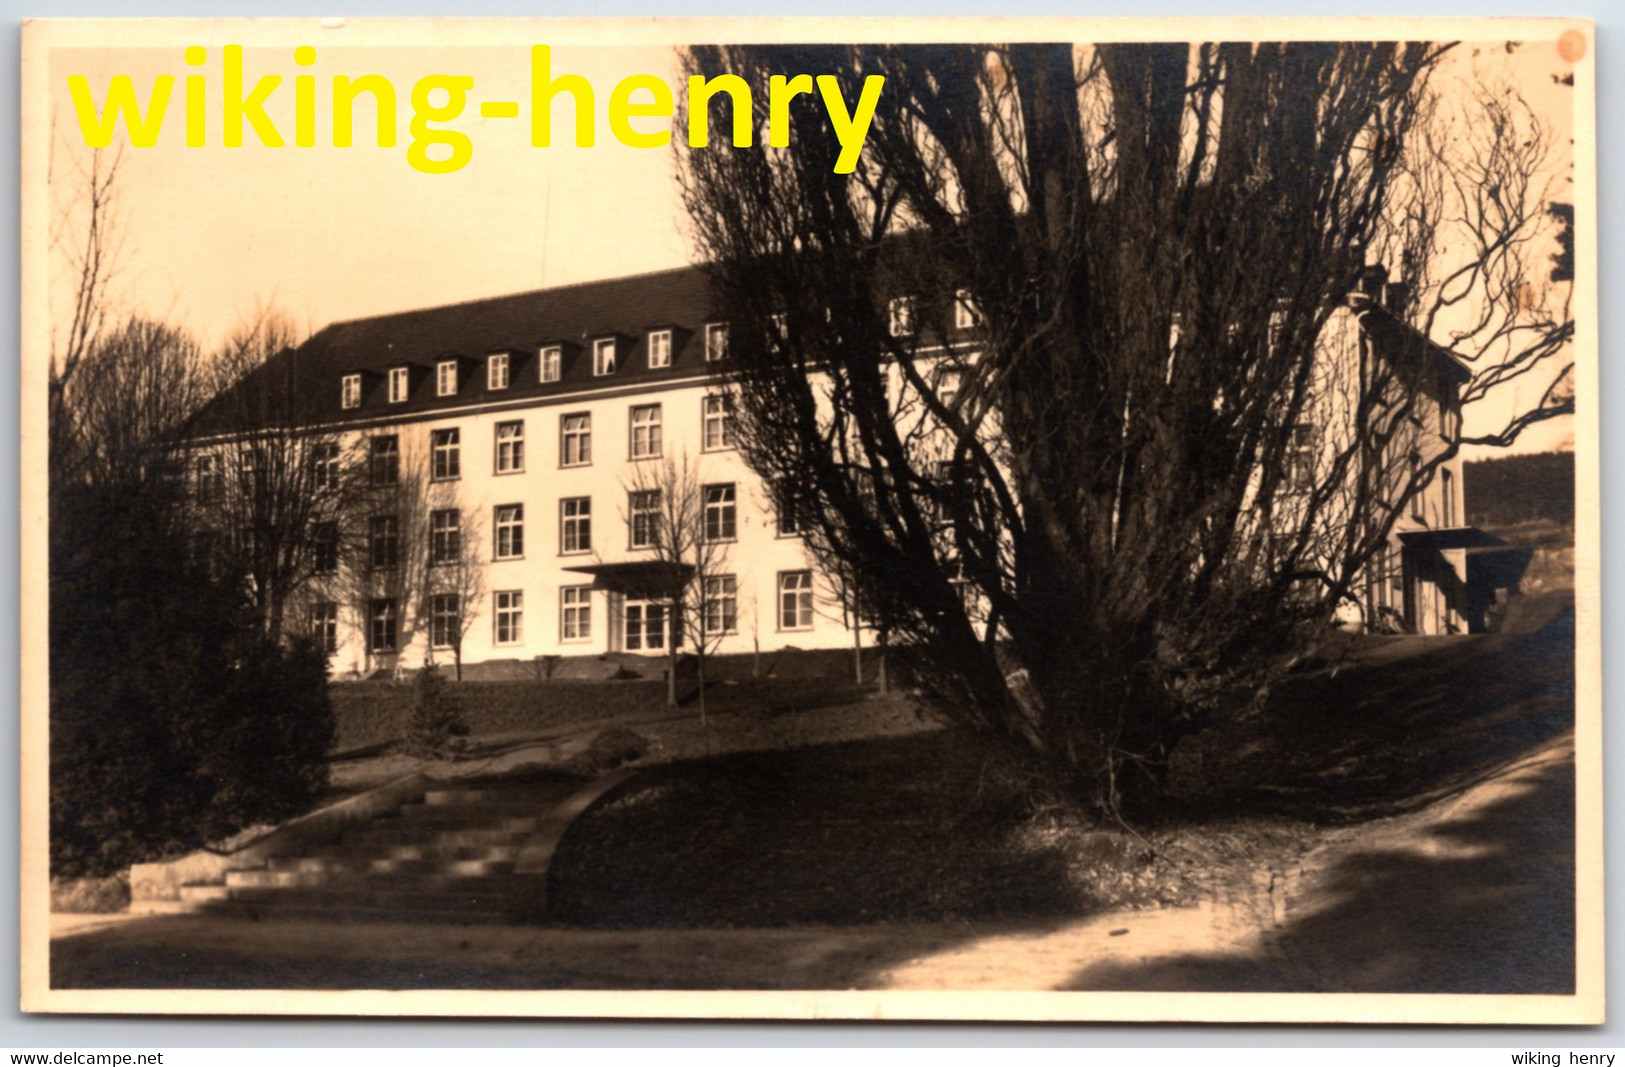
x=1372 y=278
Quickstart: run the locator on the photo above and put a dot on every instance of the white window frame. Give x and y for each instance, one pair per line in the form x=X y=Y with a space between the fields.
x=786 y=519
x=716 y=341
x=445 y=454
x=496 y=370
x=581 y=434
x=444 y=623
x=324 y=465
x=635 y=636
x=350 y=391
x=445 y=378
x=900 y=316
x=384 y=530
x=659 y=349
x=400 y=385
x=722 y=594
x=550 y=363
x=966 y=315
x=643 y=511
x=799 y=585
x=575 y=525
x=645 y=429
x=508 y=610
x=390 y=456
x=383 y=610
x=717 y=410
x=445 y=537
x=508 y=530
x=510 y=447
x=575 y=613
x=603 y=357
x=324 y=625
x=726 y=506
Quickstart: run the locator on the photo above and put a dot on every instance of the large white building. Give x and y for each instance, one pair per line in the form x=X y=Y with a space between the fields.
x=533 y=424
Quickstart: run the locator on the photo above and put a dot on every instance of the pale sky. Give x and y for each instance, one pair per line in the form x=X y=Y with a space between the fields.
x=328 y=233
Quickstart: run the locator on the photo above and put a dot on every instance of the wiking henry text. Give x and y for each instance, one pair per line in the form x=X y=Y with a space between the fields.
x=644 y=99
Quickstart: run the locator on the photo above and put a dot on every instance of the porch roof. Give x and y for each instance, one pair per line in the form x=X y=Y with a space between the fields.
x=644 y=579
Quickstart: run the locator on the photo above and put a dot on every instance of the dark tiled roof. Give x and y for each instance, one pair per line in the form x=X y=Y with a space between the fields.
x=572 y=316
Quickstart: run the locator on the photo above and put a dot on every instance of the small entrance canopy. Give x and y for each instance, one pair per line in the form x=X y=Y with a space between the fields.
x=1450 y=537
x=640 y=579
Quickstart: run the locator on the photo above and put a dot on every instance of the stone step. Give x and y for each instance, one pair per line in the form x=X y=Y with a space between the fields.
x=492 y=895
x=325 y=871
x=397 y=857
x=457 y=816
x=296 y=911
x=384 y=837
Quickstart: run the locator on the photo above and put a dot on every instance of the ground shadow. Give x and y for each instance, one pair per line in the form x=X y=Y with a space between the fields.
x=1479 y=904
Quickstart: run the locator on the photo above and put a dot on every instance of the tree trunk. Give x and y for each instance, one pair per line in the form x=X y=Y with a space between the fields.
x=857 y=651
x=884 y=686
x=701 y=665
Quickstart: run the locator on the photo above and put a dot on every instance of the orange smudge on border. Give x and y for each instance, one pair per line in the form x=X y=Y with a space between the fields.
x=1572 y=46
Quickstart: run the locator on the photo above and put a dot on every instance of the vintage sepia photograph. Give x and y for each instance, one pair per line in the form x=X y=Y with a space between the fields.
x=919 y=519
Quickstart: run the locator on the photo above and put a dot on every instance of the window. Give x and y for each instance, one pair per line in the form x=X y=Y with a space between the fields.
x=324 y=466
x=384 y=460
x=716 y=341
x=324 y=547
x=445 y=452
x=381 y=626
x=575 y=613
x=955 y=570
x=659 y=348
x=552 y=363
x=384 y=541
x=948 y=380
x=575 y=515
x=791 y=504
x=721 y=614
x=719 y=422
x=1300 y=458
x=795 y=600
x=324 y=625
x=575 y=440
x=510 y=526
x=445 y=378
x=645 y=625
x=719 y=512
x=496 y=371
x=1417 y=511
x=1447 y=486
x=445 y=536
x=966 y=317
x=781 y=325
x=445 y=620
x=400 y=384
x=510 y=617
x=603 y=356
x=350 y=391
x=900 y=316
x=646 y=431
x=510 y=447
x=643 y=517
x=209 y=479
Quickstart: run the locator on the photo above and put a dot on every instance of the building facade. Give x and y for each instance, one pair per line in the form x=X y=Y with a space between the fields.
x=515 y=449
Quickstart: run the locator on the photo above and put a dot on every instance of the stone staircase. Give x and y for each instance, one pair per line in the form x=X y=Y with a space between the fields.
x=451 y=856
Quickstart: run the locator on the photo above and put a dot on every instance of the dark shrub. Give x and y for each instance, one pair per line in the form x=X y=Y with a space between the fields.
x=437 y=717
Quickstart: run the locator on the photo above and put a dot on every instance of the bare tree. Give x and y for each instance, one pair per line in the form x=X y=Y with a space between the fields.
x=671 y=513
x=454 y=578
x=281 y=478
x=1045 y=360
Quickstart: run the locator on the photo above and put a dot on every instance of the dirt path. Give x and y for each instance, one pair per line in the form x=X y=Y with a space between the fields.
x=1473 y=894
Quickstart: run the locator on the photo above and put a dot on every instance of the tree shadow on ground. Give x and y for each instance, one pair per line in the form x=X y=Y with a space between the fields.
x=1480 y=903
x=1399 y=727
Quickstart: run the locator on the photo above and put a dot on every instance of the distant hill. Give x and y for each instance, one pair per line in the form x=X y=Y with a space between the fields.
x=1517 y=489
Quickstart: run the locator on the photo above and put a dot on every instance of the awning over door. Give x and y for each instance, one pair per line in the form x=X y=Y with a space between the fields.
x=645 y=579
x=1449 y=537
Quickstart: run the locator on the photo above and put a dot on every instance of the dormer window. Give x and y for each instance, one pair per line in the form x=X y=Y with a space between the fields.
x=659 y=348
x=603 y=356
x=496 y=370
x=552 y=363
x=445 y=378
x=966 y=317
x=350 y=391
x=400 y=384
x=900 y=316
x=716 y=341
